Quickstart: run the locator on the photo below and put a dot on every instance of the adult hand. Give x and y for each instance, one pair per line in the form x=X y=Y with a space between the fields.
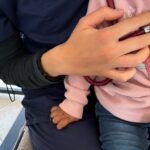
x=91 y=51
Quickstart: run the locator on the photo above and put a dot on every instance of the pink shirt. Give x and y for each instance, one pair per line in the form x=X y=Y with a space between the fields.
x=129 y=101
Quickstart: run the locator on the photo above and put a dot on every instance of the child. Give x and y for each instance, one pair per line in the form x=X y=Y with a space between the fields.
x=123 y=110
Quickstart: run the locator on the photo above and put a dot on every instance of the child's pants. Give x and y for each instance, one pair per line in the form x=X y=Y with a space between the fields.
x=117 y=134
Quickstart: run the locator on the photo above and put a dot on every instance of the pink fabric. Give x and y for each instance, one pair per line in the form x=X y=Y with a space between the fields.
x=129 y=101
x=76 y=95
x=148 y=66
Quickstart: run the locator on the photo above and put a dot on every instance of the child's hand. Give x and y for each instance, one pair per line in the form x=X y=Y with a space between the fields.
x=60 y=118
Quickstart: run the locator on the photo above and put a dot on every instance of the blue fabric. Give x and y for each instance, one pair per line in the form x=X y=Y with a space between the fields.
x=82 y=135
x=6 y=27
x=79 y=136
x=45 y=23
x=117 y=134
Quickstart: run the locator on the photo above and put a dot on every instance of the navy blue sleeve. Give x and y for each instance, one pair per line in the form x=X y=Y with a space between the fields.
x=17 y=67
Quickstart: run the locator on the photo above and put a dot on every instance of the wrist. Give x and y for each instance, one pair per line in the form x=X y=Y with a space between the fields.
x=72 y=108
x=52 y=61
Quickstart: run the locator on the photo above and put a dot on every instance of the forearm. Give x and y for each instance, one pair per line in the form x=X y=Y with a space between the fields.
x=76 y=96
x=85 y=53
x=19 y=68
x=53 y=61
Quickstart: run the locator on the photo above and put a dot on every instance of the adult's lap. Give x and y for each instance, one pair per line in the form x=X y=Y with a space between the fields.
x=44 y=135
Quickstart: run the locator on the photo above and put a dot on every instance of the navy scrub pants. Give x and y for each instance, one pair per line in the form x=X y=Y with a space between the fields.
x=82 y=135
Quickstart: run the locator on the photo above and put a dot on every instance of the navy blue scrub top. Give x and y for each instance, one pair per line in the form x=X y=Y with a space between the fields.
x=44 y=23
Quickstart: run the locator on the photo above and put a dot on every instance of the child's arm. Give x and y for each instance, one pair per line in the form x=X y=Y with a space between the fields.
x=71 y=109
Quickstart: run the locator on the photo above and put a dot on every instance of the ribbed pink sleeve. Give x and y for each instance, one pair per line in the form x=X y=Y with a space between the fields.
x=76 y=95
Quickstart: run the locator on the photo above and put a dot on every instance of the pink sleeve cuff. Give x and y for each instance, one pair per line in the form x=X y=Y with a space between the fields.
x=72 y=108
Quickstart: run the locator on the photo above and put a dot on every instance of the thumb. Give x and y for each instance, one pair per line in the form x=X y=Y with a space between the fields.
x=101 y=15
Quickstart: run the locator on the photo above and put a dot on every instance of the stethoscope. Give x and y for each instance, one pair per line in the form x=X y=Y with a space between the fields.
x=141 y=31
